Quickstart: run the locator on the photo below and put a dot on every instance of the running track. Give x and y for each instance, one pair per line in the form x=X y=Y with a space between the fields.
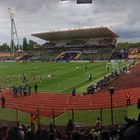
x=64 y=102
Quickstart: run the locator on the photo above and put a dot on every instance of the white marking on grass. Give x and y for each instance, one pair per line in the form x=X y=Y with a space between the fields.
x=73 y=86
x=3 y=66
x=61 y=114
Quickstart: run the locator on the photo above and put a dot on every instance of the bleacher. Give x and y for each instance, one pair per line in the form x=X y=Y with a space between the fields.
x=25 y=56
x=134 y=54
x=119 y=55
x=6 y=57
x=90 y=42
x=98 y=54
x=100 y=49
x=67 y=56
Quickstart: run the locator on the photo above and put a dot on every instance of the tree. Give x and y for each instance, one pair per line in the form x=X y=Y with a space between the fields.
x=31 y=44
x=25 y=44
x=4 y=47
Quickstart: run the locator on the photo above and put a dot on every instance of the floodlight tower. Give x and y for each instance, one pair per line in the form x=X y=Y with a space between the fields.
x=13 y=31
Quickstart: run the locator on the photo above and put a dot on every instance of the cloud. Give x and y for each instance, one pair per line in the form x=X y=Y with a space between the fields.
x=122 y=16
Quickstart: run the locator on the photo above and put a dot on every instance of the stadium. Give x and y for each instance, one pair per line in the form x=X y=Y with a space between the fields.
x=79 y=84
x=55 y=100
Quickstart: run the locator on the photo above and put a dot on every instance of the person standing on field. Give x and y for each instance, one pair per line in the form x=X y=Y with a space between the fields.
x=73 y=92
x=128 y=99
x=33 y=119
x=36 y=88
x=3 y=100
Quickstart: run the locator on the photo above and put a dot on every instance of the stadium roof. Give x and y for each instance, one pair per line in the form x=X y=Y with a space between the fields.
x=78 y=33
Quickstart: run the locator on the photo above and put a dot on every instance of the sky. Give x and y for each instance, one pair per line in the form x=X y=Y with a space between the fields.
x=33 y=16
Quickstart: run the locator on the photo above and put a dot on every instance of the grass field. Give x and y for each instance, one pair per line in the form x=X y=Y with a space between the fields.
x=86 y=118
x=64 y=76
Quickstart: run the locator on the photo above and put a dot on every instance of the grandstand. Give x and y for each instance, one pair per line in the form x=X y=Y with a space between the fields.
x=134 y=54
x=6 y=57
x=18 y=56
x=80 y=44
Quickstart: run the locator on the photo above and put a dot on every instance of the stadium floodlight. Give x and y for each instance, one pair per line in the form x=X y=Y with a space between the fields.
x=84 y=1
x=13 y=30
x=11 y=12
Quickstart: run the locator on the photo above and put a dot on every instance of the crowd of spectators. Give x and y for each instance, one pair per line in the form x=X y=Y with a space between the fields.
x=6 y=58
x=106 y=80
x=130 y=130
x=22 y=132
x=66 y=57
x=119 y=55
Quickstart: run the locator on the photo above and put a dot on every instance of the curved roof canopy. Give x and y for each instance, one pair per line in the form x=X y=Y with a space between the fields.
x=82 y=33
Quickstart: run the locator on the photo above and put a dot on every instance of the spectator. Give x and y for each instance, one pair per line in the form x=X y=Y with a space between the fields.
x=98 y=125
x=14 y=134
x=30 y=136
x=69 y=128
x=21 y=131
x=70 y=125
x=75 y=135
x=104 y=135
x=4 y=133
x=52 y=132
x=113 y=133
x=133 y=132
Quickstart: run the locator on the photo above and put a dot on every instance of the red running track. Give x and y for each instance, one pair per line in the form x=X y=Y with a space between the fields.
x=64 y=102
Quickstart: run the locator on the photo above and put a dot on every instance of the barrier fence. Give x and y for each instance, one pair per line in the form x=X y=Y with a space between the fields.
x=77 y=116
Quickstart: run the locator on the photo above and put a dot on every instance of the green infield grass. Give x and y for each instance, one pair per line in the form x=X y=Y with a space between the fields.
x=60 y=78
x=53 y=77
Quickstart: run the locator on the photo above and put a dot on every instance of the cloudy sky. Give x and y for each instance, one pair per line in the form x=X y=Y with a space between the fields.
x=31 y=16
